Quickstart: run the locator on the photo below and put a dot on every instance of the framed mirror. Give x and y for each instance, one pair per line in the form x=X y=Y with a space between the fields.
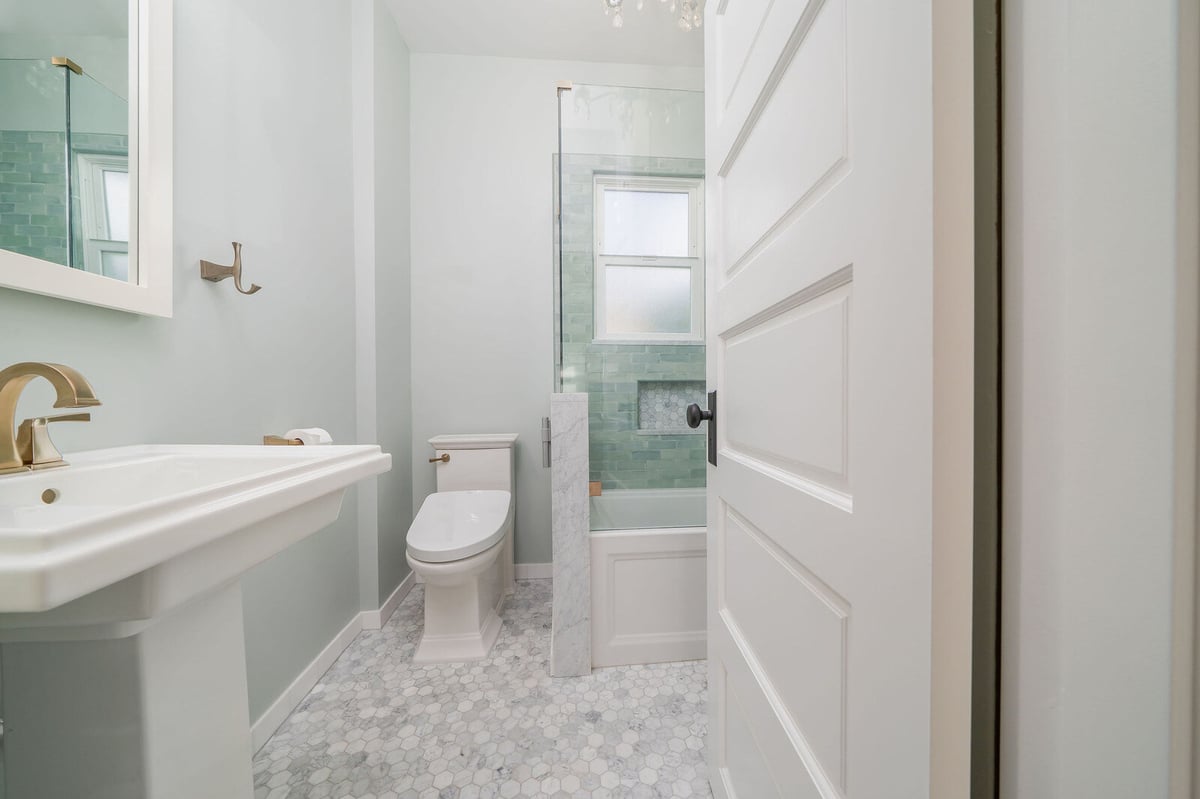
x=85 y=151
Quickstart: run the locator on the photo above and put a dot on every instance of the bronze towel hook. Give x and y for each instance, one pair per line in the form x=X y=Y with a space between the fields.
x=216 y=272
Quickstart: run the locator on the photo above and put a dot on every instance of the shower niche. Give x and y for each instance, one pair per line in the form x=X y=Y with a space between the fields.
x=662 y=403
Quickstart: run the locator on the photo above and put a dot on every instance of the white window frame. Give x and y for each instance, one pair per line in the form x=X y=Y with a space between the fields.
x=93 y=208
x=694 y=187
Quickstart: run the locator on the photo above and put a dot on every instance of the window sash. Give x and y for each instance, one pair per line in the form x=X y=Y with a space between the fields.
x=695 y=267
x=654 y=185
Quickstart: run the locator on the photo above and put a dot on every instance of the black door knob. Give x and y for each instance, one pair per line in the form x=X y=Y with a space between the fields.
x=696 y=415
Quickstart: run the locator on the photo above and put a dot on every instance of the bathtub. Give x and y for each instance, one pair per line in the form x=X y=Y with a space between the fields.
x=628 y=509
x=648 y=552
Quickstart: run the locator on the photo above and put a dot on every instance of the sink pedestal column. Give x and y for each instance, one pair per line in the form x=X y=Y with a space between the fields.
x=131 y=710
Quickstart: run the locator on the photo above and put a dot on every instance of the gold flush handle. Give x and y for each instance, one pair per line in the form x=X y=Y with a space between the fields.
x=443 y=458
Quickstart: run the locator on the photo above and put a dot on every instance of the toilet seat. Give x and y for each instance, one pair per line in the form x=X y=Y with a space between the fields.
x=453 y=525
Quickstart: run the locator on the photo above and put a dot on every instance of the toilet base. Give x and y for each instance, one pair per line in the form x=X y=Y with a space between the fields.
x=461 y=647
x=463 y=601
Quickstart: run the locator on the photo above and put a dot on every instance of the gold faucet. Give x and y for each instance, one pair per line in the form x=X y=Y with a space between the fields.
x=33 y=450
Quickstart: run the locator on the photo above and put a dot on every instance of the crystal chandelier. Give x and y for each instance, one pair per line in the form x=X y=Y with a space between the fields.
x=691 y=12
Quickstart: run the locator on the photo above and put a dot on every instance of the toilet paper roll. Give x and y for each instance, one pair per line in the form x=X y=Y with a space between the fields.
x=310 y=435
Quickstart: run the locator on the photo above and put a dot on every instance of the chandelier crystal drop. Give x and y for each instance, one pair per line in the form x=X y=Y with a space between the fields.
x=690 y=13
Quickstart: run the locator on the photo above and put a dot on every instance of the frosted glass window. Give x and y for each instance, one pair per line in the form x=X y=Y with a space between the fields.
x=648 y=223
x=647 y=299
x=116 y=202
x=115 y=264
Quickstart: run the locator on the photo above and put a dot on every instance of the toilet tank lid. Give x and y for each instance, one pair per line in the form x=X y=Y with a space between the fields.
x=474 y=441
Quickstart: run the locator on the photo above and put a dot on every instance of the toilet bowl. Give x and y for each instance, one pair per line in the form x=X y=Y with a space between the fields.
x=460 y=545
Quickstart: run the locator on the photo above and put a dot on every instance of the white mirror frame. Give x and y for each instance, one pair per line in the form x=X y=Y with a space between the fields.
x=151 y=216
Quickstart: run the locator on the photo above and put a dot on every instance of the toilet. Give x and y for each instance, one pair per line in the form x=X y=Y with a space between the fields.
x=461 y=546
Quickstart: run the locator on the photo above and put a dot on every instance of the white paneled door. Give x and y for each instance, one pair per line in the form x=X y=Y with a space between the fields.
x=820 y=129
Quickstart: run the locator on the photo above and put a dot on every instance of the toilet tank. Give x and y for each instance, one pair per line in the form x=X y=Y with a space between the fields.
x=482 y=461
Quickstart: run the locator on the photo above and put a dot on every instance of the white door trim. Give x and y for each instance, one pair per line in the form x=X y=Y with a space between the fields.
x=953 y=396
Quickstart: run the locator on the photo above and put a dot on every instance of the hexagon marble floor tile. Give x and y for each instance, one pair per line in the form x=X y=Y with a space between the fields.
x=379 y=727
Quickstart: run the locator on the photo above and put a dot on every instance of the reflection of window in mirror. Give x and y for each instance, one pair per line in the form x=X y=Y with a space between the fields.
x=104 y=208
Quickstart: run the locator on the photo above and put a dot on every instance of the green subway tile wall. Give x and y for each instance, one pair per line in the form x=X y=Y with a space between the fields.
x=622 y=456
x=33 y=197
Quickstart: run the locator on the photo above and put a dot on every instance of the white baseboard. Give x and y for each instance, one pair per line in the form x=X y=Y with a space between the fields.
x=290 y=699
x=375 y=619
x=528 y=571
x=535 y=571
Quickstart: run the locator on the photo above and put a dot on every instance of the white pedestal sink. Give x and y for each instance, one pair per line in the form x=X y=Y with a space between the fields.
x=121 y=644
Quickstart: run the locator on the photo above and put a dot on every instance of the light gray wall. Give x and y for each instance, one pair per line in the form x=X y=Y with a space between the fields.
x=483 y=133
x=393 y=296
x=1090 y=126
x=262 y=155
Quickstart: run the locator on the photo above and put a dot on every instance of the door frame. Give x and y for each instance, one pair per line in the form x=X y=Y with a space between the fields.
x=979 y=128
x=1184 y=757
x=985 y=622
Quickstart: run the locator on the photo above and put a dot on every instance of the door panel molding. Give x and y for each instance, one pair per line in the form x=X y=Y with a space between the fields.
x=803 y=112
x=817 y=632
x=822 y=289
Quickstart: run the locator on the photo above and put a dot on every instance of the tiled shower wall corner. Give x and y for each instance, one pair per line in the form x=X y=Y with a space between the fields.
x=33 y=175
x=621 y=455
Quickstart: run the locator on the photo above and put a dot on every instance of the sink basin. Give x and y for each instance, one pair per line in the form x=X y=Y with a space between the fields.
x=113 y=513
x=121 y=610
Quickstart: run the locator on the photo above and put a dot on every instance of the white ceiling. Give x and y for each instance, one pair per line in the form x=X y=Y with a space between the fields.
x=570 y=30
x=65 y=17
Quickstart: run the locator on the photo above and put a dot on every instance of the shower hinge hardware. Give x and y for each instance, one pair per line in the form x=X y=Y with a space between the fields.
x=63 y=61
x=546 y=442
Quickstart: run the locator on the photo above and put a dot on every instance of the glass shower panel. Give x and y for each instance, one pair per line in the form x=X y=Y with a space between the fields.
x=630 y=267
x=65 y=195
